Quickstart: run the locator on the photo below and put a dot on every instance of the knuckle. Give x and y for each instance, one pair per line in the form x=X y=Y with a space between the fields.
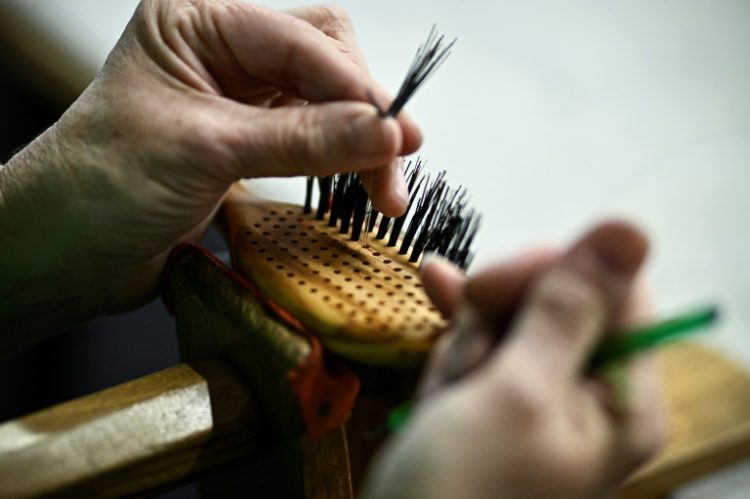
x=335 y=18
x=569 y=300
x=305 y=139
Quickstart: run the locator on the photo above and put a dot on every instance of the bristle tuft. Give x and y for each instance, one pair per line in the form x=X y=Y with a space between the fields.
x=437 y=217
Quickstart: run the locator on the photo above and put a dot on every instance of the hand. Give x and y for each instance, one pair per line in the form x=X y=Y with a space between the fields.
x=523 y=419
x=195 y=95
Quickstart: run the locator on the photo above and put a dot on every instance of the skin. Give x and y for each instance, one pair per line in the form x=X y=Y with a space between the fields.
x=508 y=411
x=198 y=94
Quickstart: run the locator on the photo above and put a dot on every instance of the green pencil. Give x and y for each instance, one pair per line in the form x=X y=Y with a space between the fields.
x=615 y=348
x=644 y=338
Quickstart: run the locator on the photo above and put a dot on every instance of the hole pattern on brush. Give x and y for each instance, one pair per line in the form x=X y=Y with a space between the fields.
x=369 y=288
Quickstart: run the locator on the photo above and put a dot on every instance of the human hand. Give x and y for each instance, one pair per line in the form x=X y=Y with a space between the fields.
x=523 y=419
x=195 y=95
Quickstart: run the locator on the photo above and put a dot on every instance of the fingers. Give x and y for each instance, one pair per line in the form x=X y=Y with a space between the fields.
x=335 y=23
x=497 y=292
x=444 y=284
x=293 y=55
x=387 y=189
x=317 y=139
x=570 y=304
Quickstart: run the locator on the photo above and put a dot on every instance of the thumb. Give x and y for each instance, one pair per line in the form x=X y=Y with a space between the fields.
x=317 y=139
x=572 y=303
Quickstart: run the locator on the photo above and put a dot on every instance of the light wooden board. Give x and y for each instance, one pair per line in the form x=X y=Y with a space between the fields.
x=708 y=399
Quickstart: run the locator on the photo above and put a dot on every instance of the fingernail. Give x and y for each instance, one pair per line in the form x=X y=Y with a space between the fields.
x=369 y=134
x=620 y=246
x=399 y=182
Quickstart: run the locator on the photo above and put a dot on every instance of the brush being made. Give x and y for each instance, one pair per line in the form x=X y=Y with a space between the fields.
x=363 y=299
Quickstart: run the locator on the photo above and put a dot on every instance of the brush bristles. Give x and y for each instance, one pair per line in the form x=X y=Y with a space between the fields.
x=439 y=220
x=428 y=58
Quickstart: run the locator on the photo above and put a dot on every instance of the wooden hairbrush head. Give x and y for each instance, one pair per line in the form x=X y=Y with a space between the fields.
x=363 y=299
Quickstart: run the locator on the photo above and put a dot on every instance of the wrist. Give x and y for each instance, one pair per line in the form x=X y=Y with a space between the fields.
x=42 y=288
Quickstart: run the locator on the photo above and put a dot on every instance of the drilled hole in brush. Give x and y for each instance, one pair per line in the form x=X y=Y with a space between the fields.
x=254 y=242
x=266 y=233
x=273 y=212
x=266 y=219
x=261 y=250
x=257 y=226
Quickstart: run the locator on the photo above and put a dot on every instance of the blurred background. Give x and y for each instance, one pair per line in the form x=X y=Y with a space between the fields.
x=552 y=114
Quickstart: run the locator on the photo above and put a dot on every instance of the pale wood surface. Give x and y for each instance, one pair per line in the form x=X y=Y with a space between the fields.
x=708 y=399
x=133 y=437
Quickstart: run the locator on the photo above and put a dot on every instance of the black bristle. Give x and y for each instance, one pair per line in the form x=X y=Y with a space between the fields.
x=324 y=200
x=428 y=203
x=385 y=224
x=437 y=218
x=428 y=58
x=337 y=189
x=373 y=219
x=308 y=194
x=346 y=200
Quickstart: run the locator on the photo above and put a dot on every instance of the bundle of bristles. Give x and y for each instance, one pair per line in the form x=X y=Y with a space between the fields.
x=437 y=218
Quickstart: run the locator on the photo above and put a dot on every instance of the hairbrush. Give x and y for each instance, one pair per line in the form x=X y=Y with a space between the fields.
x=363 y=299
